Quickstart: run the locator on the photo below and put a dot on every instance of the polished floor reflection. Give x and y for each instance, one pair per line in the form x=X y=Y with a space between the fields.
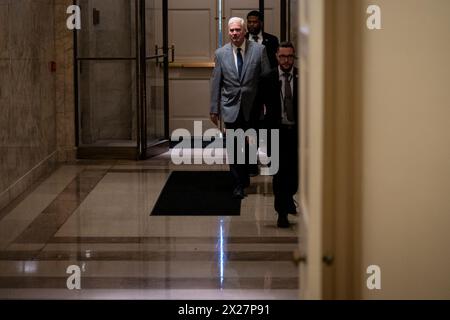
x=96 y=215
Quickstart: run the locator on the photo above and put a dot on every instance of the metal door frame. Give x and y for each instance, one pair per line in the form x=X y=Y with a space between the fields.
x=141 y=150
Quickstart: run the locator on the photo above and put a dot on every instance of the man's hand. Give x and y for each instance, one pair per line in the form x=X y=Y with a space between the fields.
x=214 y=118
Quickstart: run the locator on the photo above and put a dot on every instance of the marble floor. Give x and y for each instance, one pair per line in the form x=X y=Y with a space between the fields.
x=95 y=215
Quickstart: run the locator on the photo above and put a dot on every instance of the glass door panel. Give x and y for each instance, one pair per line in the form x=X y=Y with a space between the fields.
x=156 y=64
x=121 y=78
x=107 y=103
x=106 y=61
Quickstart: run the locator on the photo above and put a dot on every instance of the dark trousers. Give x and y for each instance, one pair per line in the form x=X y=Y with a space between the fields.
x=285 y=181
x=240 y=172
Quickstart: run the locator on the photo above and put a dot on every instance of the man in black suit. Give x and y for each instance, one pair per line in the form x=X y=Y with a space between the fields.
x=280 y=96
x=255 y=33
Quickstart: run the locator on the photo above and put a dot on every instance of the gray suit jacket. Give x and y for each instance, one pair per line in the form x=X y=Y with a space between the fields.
x=229 y=93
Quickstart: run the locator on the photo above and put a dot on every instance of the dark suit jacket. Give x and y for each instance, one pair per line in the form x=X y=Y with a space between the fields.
x=269 y=94
x=271 y=43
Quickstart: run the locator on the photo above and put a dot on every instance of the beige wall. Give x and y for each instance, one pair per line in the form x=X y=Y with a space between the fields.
x=405 y=110
x=37 y=106
x=27 y=95
x=65 y=104
x=311 y=88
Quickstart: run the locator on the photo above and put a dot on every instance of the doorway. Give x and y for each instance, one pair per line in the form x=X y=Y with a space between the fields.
x=121 y=57
x=196 y=30
x=127 y=75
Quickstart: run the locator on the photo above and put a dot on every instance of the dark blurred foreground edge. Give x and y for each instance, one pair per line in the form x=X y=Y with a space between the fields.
x=223 y=309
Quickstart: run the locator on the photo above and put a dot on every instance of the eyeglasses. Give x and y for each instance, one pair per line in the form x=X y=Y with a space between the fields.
x=283 y=57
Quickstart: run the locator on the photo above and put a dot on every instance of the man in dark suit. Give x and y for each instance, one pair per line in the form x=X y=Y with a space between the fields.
x=239 y=66
x=280 y=97
x=255 y=33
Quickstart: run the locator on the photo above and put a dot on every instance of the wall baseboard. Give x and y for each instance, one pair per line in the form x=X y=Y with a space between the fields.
x=27 y=180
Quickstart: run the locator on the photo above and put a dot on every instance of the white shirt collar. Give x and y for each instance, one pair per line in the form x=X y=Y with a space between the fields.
x=243 y=47
x=259 y=35
x=281 y=72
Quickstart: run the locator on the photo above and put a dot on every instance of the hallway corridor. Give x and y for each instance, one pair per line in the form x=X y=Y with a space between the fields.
x=96 y=215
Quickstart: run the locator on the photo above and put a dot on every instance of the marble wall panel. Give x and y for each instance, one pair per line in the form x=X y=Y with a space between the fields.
x=5 y=95
x=49 y=134
x=27 y=94
x=25 y=103
x=47 y=90
x=24 y=24
x=4 y=172
x=4 y=31
x=60 y=130
x=65 y=101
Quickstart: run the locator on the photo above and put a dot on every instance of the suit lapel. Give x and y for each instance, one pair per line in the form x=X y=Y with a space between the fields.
x=231 y=62
x=265 y=40
x=296 y=79
x=279 y=104
x=248 y=57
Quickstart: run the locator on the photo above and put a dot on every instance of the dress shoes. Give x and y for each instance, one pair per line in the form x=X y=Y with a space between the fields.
x=292 y=208
x=287 y=206
x=238 y=193
x=283 y=221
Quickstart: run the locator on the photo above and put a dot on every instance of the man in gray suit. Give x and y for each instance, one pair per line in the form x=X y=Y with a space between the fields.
x=239 y=67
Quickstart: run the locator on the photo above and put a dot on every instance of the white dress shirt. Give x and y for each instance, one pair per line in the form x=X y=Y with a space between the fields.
x=243 y=47
x=259 y=35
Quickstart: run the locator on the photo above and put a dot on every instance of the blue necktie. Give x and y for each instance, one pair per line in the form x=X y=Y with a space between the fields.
x=240 y=62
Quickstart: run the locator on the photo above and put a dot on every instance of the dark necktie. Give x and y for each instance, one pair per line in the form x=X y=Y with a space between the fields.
x=256 y=38
x=240 y=62
x=288 y=100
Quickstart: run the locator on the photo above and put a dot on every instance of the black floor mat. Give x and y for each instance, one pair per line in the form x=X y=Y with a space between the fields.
x=197 y=193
